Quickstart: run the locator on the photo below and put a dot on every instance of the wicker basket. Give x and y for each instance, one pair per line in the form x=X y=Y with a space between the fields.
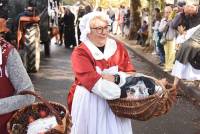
x=59 y=111
x=146 y=108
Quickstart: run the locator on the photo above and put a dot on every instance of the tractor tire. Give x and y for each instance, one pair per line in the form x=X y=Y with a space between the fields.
x=32 y=48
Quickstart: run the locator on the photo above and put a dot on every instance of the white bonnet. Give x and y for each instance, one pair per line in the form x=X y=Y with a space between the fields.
x=85 y=23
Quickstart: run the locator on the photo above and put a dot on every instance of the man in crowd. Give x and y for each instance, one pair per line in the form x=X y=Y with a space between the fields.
x=142 y=33
x=69 y=27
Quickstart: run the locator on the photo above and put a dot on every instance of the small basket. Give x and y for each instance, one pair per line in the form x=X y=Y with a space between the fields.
x=58 y=110
x=146 y=108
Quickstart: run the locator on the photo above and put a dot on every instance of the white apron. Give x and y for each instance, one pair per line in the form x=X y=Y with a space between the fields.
x=92 y=115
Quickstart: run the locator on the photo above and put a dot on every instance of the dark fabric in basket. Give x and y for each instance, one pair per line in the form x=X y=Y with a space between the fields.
x=131 y=81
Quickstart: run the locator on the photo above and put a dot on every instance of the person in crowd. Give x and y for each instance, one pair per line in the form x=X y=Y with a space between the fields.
x=69 y=29
x=145 y=15
x=157 y=37
x=99 y=9
x=121 y=19
x=187 y=63
x=100 y=65
x=194 y=15
x=80 y=14
x=169 y=34
x=116 y=27
x=88 y=9
x=156 y=23
x=13 y=79
x=61 y=24
x=127 y=22
x=53 y=12
x=181 y=20
x=111 y=14
x=28 y=11
x=142 y=34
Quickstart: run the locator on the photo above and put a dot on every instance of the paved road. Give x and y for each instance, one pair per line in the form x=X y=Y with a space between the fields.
x=55 y=77
x=184 y=118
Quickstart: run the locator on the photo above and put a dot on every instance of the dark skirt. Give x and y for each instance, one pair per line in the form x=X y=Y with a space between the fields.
x=188 y=52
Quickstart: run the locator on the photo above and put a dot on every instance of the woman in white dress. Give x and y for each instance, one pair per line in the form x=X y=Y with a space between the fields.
x=187 y=63
x=100 y=65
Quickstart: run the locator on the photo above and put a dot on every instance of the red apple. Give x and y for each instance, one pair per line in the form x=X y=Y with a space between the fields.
x=42 y=113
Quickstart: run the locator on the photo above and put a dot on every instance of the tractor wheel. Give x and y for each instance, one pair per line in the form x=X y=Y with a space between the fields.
x=32 y=48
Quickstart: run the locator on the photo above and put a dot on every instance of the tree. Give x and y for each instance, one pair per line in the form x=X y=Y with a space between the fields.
x=68 y=2
x=162 y=4
x=152 y=4
x=135 y=18
x=151 y=7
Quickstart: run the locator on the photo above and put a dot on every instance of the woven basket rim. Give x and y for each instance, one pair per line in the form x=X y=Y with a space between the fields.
x=34 y=104
x=166 y=90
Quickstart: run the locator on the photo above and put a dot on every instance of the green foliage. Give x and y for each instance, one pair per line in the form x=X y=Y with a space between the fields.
x=162 y=4
x=69 y=2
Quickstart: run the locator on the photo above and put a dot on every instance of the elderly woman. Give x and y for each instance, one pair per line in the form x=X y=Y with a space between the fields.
x=100 y=65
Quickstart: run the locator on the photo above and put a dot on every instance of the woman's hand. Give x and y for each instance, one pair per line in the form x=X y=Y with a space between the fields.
x=164 y=81
x=108 y=77
x=177 y=47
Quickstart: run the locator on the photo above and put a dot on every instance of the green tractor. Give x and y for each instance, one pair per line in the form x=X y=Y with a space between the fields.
x=31 y=21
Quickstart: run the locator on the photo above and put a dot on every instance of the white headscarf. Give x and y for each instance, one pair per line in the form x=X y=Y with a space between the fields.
x=85 y=23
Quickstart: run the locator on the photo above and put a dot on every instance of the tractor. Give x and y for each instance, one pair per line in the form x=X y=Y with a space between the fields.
x=30 y=23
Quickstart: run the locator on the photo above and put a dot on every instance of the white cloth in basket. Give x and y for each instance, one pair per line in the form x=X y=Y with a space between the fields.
x=42 y=125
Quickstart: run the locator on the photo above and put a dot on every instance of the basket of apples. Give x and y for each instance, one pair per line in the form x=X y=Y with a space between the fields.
x=45 y=117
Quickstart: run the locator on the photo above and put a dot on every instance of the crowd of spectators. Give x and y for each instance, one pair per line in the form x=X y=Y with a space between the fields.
x=176 y=39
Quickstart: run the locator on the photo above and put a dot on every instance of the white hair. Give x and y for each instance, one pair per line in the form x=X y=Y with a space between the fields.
x=85 y=22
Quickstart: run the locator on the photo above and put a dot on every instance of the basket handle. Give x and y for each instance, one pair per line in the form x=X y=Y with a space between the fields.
x=50 y=107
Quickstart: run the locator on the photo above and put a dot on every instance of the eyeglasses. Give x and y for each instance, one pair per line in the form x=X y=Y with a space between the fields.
x=101 y=29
